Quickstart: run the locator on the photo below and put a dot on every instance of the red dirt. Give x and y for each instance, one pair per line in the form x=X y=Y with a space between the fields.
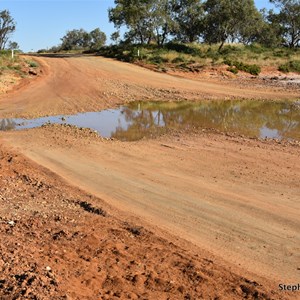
x=187 y=215
x=58 y=242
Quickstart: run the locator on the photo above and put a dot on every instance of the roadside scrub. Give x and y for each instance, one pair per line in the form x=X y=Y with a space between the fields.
x=9 y=65
x=194 y=57
x=291 y=66
x=32 y=64
x=7 y=62
x=14 y=69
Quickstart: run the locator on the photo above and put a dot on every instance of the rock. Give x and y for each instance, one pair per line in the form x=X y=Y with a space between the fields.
x=32 y=72
x=48 y=269
x=11 y=223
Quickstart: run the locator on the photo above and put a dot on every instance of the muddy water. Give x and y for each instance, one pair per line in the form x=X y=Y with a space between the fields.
x=280 y=120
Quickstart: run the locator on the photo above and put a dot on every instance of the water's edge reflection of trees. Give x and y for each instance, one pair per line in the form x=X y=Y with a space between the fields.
x=243 y=117
x=7 y=124
x=147 y=119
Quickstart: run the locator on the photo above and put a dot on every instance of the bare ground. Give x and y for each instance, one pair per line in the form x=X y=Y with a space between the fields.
x=87 y=83
x=228 y=201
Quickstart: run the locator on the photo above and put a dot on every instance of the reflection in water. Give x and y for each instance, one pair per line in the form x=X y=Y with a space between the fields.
x=279 y=120
x=250 y=118
x=7 y=124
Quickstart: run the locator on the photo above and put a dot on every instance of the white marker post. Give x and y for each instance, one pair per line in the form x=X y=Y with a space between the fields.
x=12 y=53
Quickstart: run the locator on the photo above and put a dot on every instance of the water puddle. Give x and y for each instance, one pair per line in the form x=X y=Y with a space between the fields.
x=261 y=119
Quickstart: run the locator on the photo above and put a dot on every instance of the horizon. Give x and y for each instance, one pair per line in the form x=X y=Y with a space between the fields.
x=40 y=24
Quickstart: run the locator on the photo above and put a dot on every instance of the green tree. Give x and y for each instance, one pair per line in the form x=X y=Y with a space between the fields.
x=189 y=19
x=97 y=39
x=134 y=15
x=79 y=39
x=13 y=46
x=161 y=20
x=269 y=32
x=287 y=21
x=7 y=27
x=146 y=21
x=74 y=39
x=253 y=27
x=230 y=20
x=115 y=36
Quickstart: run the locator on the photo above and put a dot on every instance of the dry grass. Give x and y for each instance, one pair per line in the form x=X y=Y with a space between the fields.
x=185 y=55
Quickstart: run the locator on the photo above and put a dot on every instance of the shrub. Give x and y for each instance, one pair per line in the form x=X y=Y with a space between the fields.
x=256 y=48
x=42 y=51
x=251 y=69
x=228 y=62
x=282 y=52
x=158 y=59
x=178 y=59
x=32 y=64
x=233 y=70
x=182 y=48
x=284 y=68
x=15 y=67
x=230 y=49
x=291 y=66
x=213 y=54
x=184 y=66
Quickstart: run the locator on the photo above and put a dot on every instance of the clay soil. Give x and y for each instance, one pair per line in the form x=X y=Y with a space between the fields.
x=188 y=215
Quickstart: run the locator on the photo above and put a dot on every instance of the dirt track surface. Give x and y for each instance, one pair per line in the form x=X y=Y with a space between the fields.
x=88 y=83
x=234 y=200
x=59 y=242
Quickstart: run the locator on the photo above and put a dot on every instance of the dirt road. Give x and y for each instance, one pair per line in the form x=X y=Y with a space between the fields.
x=76 y=84
x=236 y=198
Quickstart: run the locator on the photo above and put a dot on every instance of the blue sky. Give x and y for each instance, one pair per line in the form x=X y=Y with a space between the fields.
x=41 y=23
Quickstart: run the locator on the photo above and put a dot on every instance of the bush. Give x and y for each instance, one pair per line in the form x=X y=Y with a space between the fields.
x=32 y=64
x=251 y=69
x=256 y=48
x=230 y=49
x=228 y=62
x=282 y=52
x=291 y=66
x=15 y=67
x=158 y=59
x=178 y=59
x=182 y=48
x=284 y=68
x=212 y=53
x=233 y=70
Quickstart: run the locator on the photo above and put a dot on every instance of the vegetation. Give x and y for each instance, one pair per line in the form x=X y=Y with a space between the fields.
x=231 y=20
x=244 y=117
x=32 y=64
x=287 y=21
x=236 y=66
x=8 y=64
x=79 y=40
x=16 y=65
x=191 y=34
x=210 y=21
x=291 y=66
x=13 y=46
x=82 y=40
x=194 y=57
x=7 y=27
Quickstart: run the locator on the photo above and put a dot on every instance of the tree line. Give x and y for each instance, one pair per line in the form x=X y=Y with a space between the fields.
x=185 y=21
x=210 y=21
